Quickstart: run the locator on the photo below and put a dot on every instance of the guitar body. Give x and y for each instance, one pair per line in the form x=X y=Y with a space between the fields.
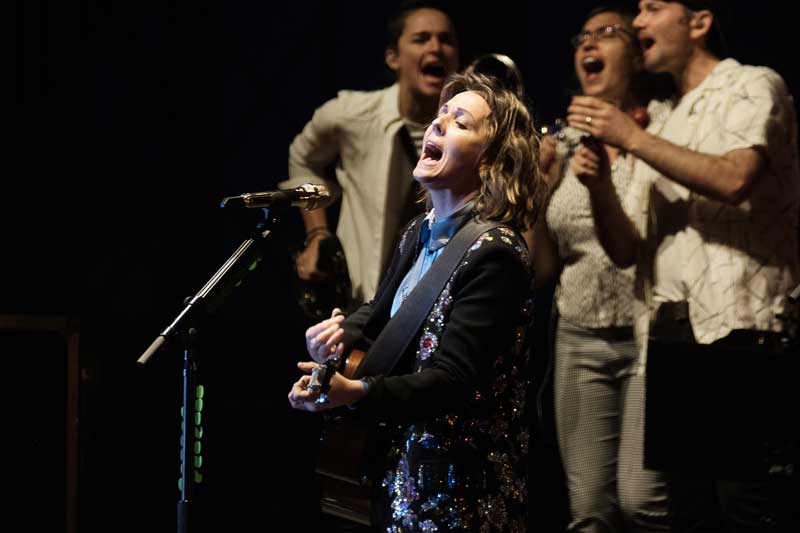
x=352 y=362
x=346 y=465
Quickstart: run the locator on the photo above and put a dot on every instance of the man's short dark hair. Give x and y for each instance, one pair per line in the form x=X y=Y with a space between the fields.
x=715 y=40
x=397 y=22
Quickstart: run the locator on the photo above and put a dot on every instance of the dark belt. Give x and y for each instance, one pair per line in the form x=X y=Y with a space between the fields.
x=671 y=323
x=614 y=333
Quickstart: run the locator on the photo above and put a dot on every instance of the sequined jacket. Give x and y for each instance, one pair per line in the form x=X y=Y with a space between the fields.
x=458 y=396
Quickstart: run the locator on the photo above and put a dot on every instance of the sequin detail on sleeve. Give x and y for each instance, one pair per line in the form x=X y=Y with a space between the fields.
x=427 y=345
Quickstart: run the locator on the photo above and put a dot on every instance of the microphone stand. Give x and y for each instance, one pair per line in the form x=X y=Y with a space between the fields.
x=217 y=288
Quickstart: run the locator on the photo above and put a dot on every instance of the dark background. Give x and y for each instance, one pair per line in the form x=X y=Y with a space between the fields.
x=110 y=195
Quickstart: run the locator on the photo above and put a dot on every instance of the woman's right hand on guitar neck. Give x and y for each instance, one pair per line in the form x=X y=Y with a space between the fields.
x=323 y=340
x=342 y=391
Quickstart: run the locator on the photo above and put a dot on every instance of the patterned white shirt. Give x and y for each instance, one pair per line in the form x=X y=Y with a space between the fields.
x=735 y=265
x=592 y=291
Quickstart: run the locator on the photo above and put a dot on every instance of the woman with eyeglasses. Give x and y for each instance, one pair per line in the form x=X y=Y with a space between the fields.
x=598 y=397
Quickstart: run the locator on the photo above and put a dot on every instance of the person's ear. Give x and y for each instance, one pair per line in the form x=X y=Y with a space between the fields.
x=392 y=59
x=701 y=23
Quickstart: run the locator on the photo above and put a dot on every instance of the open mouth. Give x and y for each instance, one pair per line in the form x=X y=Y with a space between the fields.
x=434 y=69
x=646 y=43
x=431 y=152
x=592 y=65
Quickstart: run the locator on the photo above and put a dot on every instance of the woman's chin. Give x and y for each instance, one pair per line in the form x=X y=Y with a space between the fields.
x=423 y=175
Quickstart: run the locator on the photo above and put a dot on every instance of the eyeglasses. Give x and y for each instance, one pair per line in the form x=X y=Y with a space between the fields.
x=606 y=32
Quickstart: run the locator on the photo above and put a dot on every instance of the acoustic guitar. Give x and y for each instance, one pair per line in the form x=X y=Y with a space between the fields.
x=347 y=465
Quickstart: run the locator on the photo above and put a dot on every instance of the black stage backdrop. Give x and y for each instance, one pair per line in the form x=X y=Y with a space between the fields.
x=110 y=216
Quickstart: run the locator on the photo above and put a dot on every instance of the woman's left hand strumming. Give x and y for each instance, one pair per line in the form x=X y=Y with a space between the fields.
x=323 y=340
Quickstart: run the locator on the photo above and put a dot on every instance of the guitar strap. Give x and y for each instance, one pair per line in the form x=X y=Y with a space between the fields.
x=392 y=342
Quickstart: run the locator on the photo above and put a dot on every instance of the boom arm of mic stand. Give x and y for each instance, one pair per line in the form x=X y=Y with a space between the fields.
x=221 y=284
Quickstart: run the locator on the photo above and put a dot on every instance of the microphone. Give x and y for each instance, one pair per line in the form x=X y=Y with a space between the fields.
x=308 y=196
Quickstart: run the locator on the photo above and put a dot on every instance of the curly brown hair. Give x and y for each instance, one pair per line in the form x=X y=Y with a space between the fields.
x=511 y=182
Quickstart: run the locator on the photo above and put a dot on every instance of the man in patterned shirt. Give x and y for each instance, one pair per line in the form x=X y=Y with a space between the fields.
x=715 y=240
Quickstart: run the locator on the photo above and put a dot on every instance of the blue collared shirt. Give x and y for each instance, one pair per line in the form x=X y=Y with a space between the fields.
x=434 y=235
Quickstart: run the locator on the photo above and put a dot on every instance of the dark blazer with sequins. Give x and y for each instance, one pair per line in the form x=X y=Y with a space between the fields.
x=459 y=391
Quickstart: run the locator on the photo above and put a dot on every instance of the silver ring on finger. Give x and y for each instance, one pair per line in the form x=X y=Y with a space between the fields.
x=588 y=120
